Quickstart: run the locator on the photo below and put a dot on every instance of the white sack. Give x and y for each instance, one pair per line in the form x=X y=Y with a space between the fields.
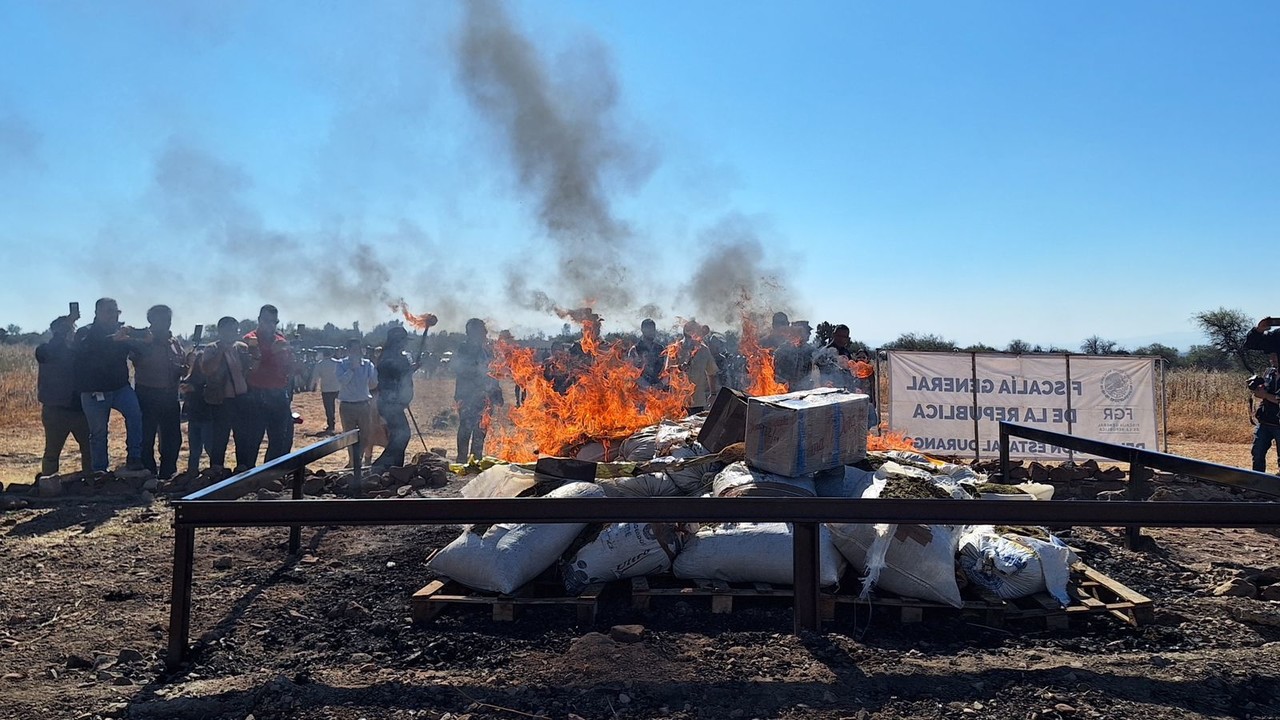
x=509 y=555
x=1014 y=566
x=656 y=484
x=913 y=561
x=499 y=481
x=620 y=551
x=739 y=480
x=851 y=484
x=751 y=552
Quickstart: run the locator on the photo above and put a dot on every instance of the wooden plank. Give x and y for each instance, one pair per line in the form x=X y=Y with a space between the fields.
x=1114 y=586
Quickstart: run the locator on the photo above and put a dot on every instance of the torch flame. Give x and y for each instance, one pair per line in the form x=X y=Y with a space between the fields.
x=419 y=322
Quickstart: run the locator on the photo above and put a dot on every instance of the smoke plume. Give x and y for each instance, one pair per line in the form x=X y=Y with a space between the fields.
x=733 y=278
x=565 y=147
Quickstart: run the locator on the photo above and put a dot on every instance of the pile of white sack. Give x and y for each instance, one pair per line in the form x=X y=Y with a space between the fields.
x=918 y=561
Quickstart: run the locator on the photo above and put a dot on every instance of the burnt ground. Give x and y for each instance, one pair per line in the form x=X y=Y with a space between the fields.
x=85 y=613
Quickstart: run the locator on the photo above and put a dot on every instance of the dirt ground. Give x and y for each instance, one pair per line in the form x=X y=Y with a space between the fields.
x=85 y=596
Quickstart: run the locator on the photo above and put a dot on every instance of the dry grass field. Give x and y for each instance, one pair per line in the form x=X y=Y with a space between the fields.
x=1208 y=417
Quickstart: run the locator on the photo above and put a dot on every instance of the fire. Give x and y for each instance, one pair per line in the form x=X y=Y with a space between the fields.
x=759 y=362
x=890 y=440
x=862 y=370
x=418 y=322
x=602 y=401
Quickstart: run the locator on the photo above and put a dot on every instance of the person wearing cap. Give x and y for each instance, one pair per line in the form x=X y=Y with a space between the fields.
x=778 y=332
x=395 y=392
x=60 y=411
x=102 y=376
x=694 y=359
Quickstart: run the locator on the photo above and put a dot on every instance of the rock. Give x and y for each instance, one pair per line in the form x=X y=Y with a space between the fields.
x=76 y=662
x=14 y=676
x=1236 y=587
x=624 y=699
x=313 y=485
x=404 y=490
x=128 y=655
x=1038 y=473
x=49 y=486
x=1064 y=709
x=1112 y=473
x=115 y=710
x=627 y=633
x=417 y=481
x=151 y=484
x=1271 y=592
x=274 y=486
x=1112 y=495
x=1257 y=614
x=361 y=658
x=222 y=563
x=121 y=680
x=402 y=475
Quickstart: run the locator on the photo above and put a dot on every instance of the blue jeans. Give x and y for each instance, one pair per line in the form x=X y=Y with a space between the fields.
x=199 y=437
x=393 y=414
x=1263 y=437
x=98 y=412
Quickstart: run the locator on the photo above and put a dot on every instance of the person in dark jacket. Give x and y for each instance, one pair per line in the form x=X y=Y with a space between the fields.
x=1266 y=388
x=475 y=391
x=60 y=411
x=395 y=392
x=223 y=367
x=102 y=377
x=158 y=365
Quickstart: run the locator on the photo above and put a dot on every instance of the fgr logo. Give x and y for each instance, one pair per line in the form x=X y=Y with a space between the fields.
x=1117 y=385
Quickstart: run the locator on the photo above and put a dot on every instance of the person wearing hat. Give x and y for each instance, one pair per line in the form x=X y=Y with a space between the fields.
x=395 y=392
x=60 y=411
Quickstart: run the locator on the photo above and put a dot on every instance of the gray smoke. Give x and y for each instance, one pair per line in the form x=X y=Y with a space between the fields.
x=565 y=147
x=333 y=270
x=733 y=277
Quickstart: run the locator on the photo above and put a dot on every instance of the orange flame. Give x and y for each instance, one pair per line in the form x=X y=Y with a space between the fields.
x=419 y=322
x=603 y=402
x=863 y=370
x=759 y=362
x=890 y=440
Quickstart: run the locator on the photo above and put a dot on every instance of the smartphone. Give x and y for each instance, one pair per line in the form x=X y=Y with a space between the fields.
x=199 y=333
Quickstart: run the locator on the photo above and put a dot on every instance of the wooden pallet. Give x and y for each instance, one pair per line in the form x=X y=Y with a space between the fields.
x=439 y=595
x=722 y=594
x=1091 y=593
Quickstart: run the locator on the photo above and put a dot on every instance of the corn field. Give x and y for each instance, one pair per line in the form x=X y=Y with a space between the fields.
x=18 y=404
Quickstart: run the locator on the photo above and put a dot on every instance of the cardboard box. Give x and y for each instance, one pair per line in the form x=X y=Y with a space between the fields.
x=727 y=422
x=806 y=431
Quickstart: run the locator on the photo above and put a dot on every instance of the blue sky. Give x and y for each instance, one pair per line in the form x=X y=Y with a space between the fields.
x=983 y=171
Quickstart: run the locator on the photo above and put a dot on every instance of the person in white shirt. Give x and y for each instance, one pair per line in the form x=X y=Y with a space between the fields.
x=327 y=374
x=355 y=376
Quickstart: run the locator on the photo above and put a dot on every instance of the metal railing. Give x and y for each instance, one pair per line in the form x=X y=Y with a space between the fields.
x=1141 y=463
x=805 y=514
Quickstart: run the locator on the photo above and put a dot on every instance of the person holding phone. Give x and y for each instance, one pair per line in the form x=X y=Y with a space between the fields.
x=102 y=376
x=158 y=365
x=60 y=411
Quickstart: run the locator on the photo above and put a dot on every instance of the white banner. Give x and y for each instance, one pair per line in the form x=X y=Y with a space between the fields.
x=952 y=403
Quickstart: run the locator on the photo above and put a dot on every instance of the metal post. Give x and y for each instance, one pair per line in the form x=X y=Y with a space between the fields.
x=295 y=531
x=806 y=580
x=357 y=468
x=184 y=540
x=1137 y=492
x=1004 y=453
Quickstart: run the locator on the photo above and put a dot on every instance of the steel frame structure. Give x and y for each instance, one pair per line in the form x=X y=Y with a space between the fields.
x=211 y=508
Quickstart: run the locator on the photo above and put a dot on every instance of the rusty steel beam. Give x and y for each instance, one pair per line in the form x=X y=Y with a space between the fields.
x=277 y=468
x=442 y=511
x=1150 y=459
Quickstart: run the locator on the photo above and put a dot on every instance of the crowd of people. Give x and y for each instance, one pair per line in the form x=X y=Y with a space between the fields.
x=241 y=385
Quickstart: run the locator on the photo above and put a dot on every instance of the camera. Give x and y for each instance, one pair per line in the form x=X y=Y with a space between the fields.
x=1255 y=382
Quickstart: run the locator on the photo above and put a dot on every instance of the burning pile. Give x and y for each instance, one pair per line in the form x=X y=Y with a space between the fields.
x=782 y=446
